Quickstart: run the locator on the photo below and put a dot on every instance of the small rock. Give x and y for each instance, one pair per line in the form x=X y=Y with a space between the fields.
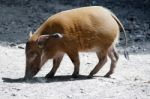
x=69 y=96
x=16 y=89
x=88 y=63
x=81 y=90
x=13 y=94
x=135 y=79
x=20 y=47
x=12 y=45
x=143 y=90
x=25 y=95
x=139 y=47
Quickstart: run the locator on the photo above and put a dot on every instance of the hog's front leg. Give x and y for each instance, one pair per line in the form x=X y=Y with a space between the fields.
x=56 y=63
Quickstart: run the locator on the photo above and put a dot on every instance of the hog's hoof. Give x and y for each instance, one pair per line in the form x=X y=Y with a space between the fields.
x=89 y=76
x=75 y=75
x=107 y=76
x=48 y=76
x=27 y=78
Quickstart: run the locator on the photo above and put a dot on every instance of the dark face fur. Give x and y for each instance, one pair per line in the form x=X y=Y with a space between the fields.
x=33 y=58
x=38 y=52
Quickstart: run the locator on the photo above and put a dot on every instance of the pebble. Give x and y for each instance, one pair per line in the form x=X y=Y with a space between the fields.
x=12 y=45
x=81 y=90
x=20 y=47
x=69 y=96
x=13 y=94
x=16 y=89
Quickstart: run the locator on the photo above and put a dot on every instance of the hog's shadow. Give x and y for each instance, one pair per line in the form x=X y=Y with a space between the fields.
x=43 y=80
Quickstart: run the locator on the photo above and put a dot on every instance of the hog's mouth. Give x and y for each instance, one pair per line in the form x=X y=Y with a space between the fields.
x=30 y=74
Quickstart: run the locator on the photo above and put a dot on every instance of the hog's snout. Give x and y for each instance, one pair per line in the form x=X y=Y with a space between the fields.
x=30 y=74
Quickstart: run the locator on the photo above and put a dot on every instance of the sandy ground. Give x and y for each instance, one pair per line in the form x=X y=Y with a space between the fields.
x=131 y=79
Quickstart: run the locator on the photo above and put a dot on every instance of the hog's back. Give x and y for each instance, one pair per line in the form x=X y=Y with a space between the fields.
x=89 y=27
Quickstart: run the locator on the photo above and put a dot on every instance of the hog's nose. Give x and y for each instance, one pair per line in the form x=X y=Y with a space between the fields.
x=30 y=73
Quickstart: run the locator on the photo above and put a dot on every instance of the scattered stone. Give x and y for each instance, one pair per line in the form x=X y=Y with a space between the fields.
x=16 y=89
x=135 y=79
x=81 y=90
x=13 y=94
x=20 y=47
x=88 y=63
x=69 y=96
x=143 y=90
x=139 y=47
x=12 y=45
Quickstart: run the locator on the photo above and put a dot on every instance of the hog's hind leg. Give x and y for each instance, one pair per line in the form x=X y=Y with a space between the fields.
x=114 y=59
x=102 y=56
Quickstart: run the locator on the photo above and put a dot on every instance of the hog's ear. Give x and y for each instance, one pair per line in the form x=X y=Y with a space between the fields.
x=57 y=35
x=41 y=40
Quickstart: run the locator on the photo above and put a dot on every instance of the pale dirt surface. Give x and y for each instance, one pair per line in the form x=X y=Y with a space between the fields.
x=131 y=79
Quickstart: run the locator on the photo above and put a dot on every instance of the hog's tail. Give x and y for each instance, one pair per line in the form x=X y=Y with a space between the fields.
x=126 y=54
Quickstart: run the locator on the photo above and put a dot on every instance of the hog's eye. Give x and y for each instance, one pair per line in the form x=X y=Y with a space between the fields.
x=40 y=45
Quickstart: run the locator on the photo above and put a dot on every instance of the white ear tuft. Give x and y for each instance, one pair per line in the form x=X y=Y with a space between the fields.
x=57 y=35
x=30 y=34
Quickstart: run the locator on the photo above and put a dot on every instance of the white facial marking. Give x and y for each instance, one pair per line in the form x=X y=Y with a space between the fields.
x=43 y=59
x=33 y=57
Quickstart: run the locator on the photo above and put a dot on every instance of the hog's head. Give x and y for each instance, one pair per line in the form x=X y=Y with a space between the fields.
x=38 y=52
x=33 y=58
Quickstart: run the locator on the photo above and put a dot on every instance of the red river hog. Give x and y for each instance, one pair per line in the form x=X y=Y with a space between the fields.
x=93 y=28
